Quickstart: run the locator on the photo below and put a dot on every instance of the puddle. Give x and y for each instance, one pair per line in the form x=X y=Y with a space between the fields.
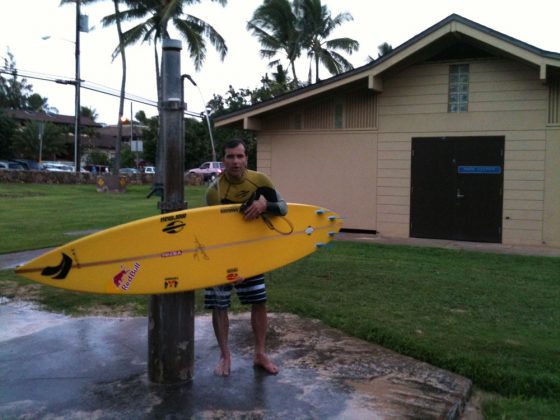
x=20 y=318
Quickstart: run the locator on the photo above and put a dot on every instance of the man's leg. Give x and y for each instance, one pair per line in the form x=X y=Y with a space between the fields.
x=220 y=322
x=259 y=322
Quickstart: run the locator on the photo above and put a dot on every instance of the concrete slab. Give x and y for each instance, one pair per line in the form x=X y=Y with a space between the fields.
x=55 y=366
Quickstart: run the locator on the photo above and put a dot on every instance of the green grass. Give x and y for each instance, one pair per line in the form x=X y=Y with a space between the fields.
x=36 y=216
x=491 y=317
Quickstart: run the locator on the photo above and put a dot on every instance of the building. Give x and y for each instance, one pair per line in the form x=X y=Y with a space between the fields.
x=455 y=134
x=94 y=137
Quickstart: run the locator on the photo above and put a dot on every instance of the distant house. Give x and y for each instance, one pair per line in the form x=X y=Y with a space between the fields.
x=94 y=136
x=455 y=134
x=105 y=138
x=88 y=126
x=68 y=120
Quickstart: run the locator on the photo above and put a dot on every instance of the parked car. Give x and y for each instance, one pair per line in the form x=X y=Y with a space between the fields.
x=6 y=164
x=149 y=169
x=209 y=170
x=30 y=165
x=57 y=167
x=128 y=171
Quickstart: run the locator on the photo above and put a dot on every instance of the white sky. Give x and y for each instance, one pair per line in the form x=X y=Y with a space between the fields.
x=24 y=22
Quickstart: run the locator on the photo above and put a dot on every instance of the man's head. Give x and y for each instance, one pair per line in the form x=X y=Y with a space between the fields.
x=235 y=159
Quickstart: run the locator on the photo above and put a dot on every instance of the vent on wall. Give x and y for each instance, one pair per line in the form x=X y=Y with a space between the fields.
x=554 y=101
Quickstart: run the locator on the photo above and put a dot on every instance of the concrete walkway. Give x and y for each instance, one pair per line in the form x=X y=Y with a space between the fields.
x=53 y=366
x=56 y=366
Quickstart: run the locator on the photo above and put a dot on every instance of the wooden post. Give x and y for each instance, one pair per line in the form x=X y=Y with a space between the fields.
x=171 y=316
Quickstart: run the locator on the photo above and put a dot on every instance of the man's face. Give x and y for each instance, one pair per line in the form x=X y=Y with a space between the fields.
x=235 y=161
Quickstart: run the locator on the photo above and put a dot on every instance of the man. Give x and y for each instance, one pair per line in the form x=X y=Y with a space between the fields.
x=237 y=184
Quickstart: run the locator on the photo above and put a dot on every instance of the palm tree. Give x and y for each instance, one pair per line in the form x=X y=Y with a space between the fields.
x=275 y=24
x=383 y=49
x=317 y=25
x=157 y=15
x=117 y=160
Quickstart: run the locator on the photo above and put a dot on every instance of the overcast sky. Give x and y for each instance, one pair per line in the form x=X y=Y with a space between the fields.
x=23 y=23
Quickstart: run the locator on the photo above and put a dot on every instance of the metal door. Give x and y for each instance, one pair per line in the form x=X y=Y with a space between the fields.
x=457 y=188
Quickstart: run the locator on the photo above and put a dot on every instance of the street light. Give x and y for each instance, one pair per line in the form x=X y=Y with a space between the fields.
x=80 y=25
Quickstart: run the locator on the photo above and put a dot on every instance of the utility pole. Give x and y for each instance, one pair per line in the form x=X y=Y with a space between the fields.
x=171 y=316
x=77 y=94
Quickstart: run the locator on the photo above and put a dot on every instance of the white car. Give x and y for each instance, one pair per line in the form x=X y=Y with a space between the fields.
x=149 y=169
x=209 y=170
x=56 y=167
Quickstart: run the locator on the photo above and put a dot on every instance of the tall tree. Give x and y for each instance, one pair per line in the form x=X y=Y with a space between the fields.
x=275 y=24
x=38 y=103
x=8 y=129
x=118 y=22
x=384 y=48
x=316 y=26
x=27 y=143
x=157 y=15
x=14 y=91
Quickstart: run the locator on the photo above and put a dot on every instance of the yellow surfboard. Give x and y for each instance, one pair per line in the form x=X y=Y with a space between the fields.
x=184 y=250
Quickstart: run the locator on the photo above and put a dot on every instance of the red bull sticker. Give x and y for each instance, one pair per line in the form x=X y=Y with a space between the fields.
x=232 y=274
x=125 y=277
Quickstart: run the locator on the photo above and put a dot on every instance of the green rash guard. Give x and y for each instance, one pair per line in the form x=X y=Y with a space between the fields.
x=227 y=191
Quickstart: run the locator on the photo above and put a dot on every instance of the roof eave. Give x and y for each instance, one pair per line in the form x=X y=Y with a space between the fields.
x=452 y=24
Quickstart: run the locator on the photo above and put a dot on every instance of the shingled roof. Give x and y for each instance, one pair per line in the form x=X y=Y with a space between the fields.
x=23 y=115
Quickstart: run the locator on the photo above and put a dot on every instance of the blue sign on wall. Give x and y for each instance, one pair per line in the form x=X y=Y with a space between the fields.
x=494 y=170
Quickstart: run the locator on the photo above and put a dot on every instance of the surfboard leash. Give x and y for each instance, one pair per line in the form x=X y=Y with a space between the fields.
x=271 y=226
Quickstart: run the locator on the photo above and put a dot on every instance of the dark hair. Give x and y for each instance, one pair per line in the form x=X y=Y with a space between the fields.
x=232 y=144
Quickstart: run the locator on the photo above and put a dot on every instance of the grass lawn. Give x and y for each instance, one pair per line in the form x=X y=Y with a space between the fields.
x=493 y=318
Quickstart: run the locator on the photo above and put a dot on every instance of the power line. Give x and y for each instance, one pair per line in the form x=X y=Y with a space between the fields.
x=95 y=87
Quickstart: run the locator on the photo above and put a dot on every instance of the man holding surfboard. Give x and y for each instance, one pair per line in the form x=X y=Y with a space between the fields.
x=237 y=184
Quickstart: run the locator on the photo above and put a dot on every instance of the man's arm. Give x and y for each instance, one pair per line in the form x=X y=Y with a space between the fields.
x=269 y=201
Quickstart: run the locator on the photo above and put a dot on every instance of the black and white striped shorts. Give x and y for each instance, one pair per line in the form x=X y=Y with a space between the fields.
x=251 y=290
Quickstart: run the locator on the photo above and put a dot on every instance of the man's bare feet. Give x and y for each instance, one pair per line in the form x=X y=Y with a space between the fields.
x=224 y=367
x=262 y=361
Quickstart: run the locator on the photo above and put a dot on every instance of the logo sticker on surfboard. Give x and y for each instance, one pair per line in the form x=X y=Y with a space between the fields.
x=124 y=278
x=175 y=223
x=60 y=271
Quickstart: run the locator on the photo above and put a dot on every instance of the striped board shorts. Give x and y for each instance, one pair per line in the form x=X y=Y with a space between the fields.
x=251 y=290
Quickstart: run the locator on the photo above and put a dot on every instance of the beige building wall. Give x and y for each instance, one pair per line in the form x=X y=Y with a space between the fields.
x=362 y=168
x=506 y=99
x=333 y=169
x=551 y=231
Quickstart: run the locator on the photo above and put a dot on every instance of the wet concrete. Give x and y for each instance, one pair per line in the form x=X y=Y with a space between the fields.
x=55 y=366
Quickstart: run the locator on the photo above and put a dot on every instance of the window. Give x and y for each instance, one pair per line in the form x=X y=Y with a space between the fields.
x=458 y=100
